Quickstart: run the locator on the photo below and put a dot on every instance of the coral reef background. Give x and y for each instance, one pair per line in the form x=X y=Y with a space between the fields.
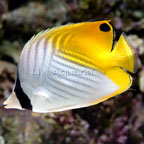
x=119 y=120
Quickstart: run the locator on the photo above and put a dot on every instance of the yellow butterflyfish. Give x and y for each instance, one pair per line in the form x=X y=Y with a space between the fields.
x=72 y=66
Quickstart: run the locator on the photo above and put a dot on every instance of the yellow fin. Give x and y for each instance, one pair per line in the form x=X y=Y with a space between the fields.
x=86 y=40
x=120 y=78
x=89 y=37
x=124 y=54
x=83 y=43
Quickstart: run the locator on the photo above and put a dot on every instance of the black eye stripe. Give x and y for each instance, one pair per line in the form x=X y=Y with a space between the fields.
x=105 y=27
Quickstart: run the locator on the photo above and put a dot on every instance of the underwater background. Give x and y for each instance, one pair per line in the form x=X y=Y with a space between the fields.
x=119 y=120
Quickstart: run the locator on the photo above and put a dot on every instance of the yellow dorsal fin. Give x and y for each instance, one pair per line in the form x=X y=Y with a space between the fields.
x=88 y=36
x=124 y=54
x=90 y=40
x=85 y=43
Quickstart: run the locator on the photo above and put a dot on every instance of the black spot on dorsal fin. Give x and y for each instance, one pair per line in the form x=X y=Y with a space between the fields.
x=105 y=27
x=22 y=97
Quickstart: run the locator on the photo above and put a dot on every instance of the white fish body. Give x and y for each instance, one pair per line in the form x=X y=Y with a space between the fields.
x=49 y=82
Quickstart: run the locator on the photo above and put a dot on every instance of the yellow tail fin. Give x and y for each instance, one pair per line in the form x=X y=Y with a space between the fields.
x=124 y=54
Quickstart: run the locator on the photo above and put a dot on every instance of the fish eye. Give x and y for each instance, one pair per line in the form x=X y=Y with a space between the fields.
x=104 y=27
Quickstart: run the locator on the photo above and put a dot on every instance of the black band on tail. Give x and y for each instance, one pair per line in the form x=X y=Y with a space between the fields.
x=22 y=97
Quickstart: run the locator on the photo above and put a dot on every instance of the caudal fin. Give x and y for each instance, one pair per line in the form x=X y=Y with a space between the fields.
x=125 y=55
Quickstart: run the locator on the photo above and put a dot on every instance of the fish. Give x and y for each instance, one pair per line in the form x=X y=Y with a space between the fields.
x=72 y=66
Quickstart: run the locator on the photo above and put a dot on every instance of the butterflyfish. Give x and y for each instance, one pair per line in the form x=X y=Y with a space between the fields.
x=72 y=66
